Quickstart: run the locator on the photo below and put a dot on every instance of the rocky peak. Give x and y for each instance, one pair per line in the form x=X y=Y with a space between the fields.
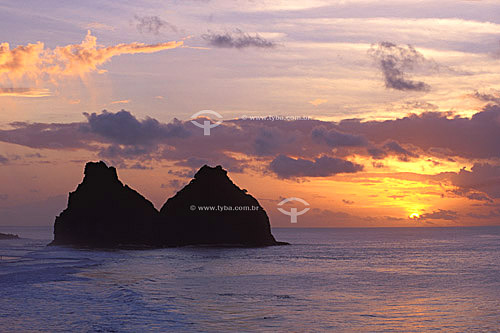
x=207 y=172
x=98 y=172
x=102 y=212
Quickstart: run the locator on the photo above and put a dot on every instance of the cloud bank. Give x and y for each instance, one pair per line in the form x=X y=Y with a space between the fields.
x=288 y=149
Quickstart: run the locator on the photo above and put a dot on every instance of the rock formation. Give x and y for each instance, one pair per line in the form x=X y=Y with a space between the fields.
x=8 y=236
x=105 y=213
x=211 y=209
x=102 y=212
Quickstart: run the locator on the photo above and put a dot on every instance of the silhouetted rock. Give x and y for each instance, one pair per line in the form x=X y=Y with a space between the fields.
x=105 y=213
x=102 y=212
x=8 y=236
x=211 y=209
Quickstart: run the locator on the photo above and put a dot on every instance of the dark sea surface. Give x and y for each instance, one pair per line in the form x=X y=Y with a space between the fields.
x=341 y=280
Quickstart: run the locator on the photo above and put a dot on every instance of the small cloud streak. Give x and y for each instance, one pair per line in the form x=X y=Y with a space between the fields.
x=238 y=40
x=99 y=26
x=25 y=92
x=125 y=101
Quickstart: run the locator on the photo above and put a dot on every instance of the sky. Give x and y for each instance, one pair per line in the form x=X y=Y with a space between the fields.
x=377 y=114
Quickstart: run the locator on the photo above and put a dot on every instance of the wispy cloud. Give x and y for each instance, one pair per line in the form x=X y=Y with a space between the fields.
x=238 y=39
x=493 y=97
x=395 y=61
x=152 y=24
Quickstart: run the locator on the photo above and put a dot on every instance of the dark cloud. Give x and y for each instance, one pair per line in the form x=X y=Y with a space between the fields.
x=470 y=194
x=482 y=177
x=403 y=154
x=377 y=153
x=335 y=138
x=287 y=167
x=175 y=184
x=437 y=133
x=3 y=159
x=35 y=155
x=395 y=61
x=193 y=162
x=495 y=213
x=152 y=24
x=273 y=140
x=123 y=128
x=52 y=136
x=229 y=163
x=140 y=166
x=440 y=214
x=238 y=40
x=487 y=97
x=4 y=197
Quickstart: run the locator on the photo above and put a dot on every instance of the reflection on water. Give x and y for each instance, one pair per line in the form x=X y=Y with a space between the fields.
x=338 y=279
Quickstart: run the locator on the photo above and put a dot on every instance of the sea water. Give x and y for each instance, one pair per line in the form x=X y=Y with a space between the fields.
x=385 y=279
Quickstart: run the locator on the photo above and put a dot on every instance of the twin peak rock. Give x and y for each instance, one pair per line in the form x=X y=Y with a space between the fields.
x=102 y=212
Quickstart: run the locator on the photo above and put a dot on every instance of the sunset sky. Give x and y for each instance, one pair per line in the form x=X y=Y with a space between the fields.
x=393 y=107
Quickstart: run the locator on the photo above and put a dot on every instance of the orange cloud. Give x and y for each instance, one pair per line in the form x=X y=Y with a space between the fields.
x=35 y=62
x=99 y=26
x=125 y=101
x=21 y=61
x=318 y=101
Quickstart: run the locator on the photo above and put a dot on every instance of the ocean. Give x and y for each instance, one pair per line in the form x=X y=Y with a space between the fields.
x=340 y=280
